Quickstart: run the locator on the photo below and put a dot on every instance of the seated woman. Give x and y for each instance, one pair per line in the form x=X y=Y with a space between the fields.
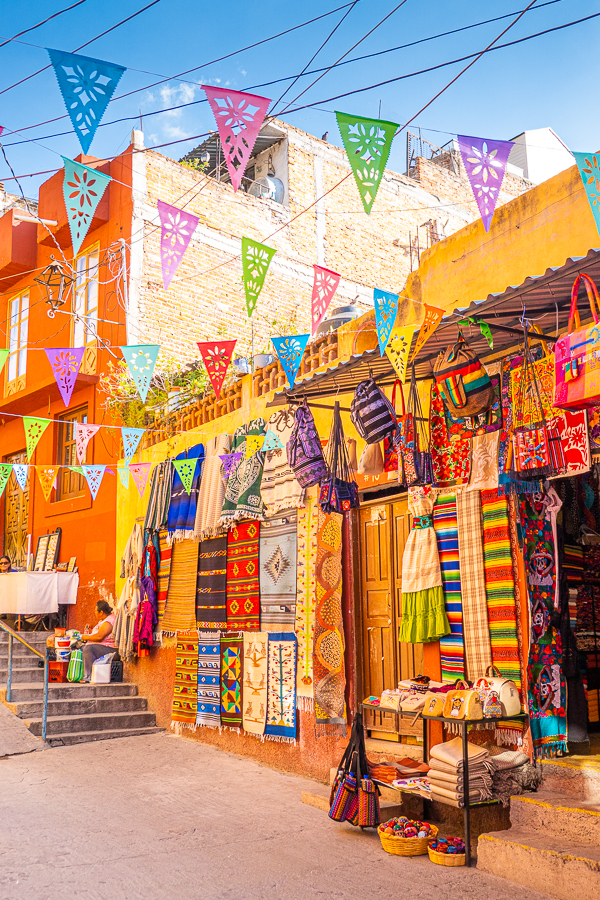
x=5 y=565
x=100 y=641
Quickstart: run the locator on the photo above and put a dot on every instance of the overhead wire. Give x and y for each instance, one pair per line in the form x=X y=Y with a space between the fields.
x=43 y=22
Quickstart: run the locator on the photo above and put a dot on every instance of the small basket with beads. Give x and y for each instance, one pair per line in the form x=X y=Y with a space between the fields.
x=447 y=851
x=406 y=837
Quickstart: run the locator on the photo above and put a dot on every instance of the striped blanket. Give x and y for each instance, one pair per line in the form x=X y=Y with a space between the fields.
x=278 y=565
x=180 y=610
x=446 y=529
x=243 y=592
x=164 y=571
x=211 y=586
x=209 y=679
x=185 y=691
x=476 y=635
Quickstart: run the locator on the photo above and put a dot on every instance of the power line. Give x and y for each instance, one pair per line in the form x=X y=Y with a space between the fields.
x=43 y=22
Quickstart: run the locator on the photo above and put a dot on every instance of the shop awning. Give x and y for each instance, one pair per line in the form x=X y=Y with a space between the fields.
x=544 y=299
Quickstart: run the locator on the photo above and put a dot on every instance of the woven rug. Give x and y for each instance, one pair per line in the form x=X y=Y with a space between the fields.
x=182 y=505
x=164 y=571
x=500 y=586
x=243 y=592
x=211 y=585
x=212 y=488
x=180 y=610
x=305 y=598
x=278 y=558
x=185 y=691
x=452 y=650
x=281 y=687
x=209 y=679
x=328 y=645
x=476 y=635
x=254 y=693
x=242 y=491
x=232 y=650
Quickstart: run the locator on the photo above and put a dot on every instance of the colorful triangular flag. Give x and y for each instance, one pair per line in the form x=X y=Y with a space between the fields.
x=239 y=117
x=217 y=356
x=431 y=319
x=485 y=162
x=65 y=362
x=398 y=348
x=256 y=259
x=386 y=310
x=254 y=443
x=186 y=469
x=324 y=287
x=271 y=441
x=589 y=169
x=141 y=361
x=367 y=143
x=5 y=470
x=83 y=189
x=93 y=476
x=47 y=477
x=3 y=358
x=34 y=429
x=83 y=433
x=140 y=472
x=76 y=469
x=176 y=230
x=290 y=351
x=131 y=439
x=124 y=475
x=21 y=472
x=230 y=463
x=87 y=85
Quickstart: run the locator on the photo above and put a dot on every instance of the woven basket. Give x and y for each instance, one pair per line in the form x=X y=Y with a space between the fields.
x=446 y=859
x=401 y=846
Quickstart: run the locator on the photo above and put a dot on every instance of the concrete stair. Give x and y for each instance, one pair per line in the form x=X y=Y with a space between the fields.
x=553 y=844
x=77 y=713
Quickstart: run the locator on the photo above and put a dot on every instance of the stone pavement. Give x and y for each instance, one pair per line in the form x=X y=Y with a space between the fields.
x=15 y=736
x=157 y=817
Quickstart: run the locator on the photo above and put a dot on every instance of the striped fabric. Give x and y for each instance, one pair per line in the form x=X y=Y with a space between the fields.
x=478 y=653
x=185 y=689
x=164 y=572
x=500 y=587
x=180 y=610
x=372 y=413
x=446 y=529
x=573 y=569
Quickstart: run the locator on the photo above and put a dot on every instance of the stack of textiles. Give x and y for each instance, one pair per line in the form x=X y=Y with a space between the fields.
x=446 y=775
x=513 y=774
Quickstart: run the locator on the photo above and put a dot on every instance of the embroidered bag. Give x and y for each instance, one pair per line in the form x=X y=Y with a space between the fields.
x=492 y=708
x=417 y=468
x=304 y=451
x=339 y=491
x=577 y=355
x=372 y=414
x=465 y=386
x=434 y=704
x=464 y=703
x=508 y=695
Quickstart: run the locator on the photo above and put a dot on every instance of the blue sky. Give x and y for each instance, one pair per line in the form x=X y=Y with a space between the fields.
x=538 y=83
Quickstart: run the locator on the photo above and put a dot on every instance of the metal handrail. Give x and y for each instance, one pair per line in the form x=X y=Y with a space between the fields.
x=11 y=635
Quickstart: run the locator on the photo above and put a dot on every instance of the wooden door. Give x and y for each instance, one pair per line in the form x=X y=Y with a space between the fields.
x=410 y=656
x=16 y=515
x=379 y=630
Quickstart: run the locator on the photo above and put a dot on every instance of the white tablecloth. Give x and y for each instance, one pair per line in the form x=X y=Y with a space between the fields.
x=36 y=593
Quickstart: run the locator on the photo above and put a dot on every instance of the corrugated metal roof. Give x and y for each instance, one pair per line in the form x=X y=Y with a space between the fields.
x=267 y=138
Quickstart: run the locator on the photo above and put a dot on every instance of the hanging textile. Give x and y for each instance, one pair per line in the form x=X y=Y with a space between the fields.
x=281 y=687
x=164 y=572
x=182 y=508
x=180 y=609
x=484 y=462
x=499 y=586
x=451 y=459
x=305 y=597
x=517 y=732
x=209 y=679
x=446 y=531
x=232 y=650
x=242 y=492
x=424 y=616
x=476 y=636
x=185 y=692
x=279 y=488
x=278 y=564
x=212 y=488
x=328 y=645
x=243 y=603
x=254 y=693
x=211 y=585
x=161 y=482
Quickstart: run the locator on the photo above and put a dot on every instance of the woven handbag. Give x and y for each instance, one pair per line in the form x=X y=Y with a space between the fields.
x=577 y=355
x=464 y=384
x=304 y=451
x=390 y=453
x=464 y=703
x=339 y=491
x=416 y=466
x=372 y=414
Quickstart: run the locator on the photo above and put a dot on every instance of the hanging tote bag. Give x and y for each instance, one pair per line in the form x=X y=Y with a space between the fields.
x=577 y=355
x=304 y=451
x=339 y=491
x=465 y=386
x=390 y=453
x=372 y=414
x=75 y=669
x=371 y=460
x=417 y=465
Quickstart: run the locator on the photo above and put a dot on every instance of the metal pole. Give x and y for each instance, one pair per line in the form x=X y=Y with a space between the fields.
x=45 y=713
x=466 y=793
x=9 y=676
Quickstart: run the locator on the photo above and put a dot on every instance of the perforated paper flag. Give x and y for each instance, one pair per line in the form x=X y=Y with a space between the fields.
x=124 y=475
x=131 y=439
x=5 y=470
x=217 y=356
x=230 y=462
x=87 y=85
x=367 y=143
x=140 y=472
x=141 y=361
x=256 y=259
x=93 y=476
x=34 y=429
x=386 y=310
x=324 y=287
x=65 y=362
x=431 y=319
x=290 y=351
x=398 y=348
x=238 y=117
x=82 y=189
x=47 y=477
x=485 y=162
x=177 y=228
x=186 y=469
x=21 y=471
x=589 y=169
x=83 y=433
x=76 y=469
x=254 y=443
x=271 y=441
x=3 y=356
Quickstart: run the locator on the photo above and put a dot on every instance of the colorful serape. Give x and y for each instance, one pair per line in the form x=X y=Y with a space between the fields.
x=451 y=459
x=232 y=649
x=500 y=586
x=254 y=692
x=278 y=557
x=180 y=610
x=281 y=687
x=161 y=483
x=164 y=571
x=243 y=603
x=211 y=585
x=452 y=650
x=305 y=598
x=328 y=645
x=185 y=691
x=476 y=635
x=209 y=679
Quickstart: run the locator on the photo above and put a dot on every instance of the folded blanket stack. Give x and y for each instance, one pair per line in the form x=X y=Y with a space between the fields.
x=513 y=774
x=447 y=777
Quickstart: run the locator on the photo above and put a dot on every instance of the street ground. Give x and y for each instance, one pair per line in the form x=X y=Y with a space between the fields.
x=166 y=817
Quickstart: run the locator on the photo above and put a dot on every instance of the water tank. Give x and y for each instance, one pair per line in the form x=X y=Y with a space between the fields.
x=338 y=317
x=268 y=187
